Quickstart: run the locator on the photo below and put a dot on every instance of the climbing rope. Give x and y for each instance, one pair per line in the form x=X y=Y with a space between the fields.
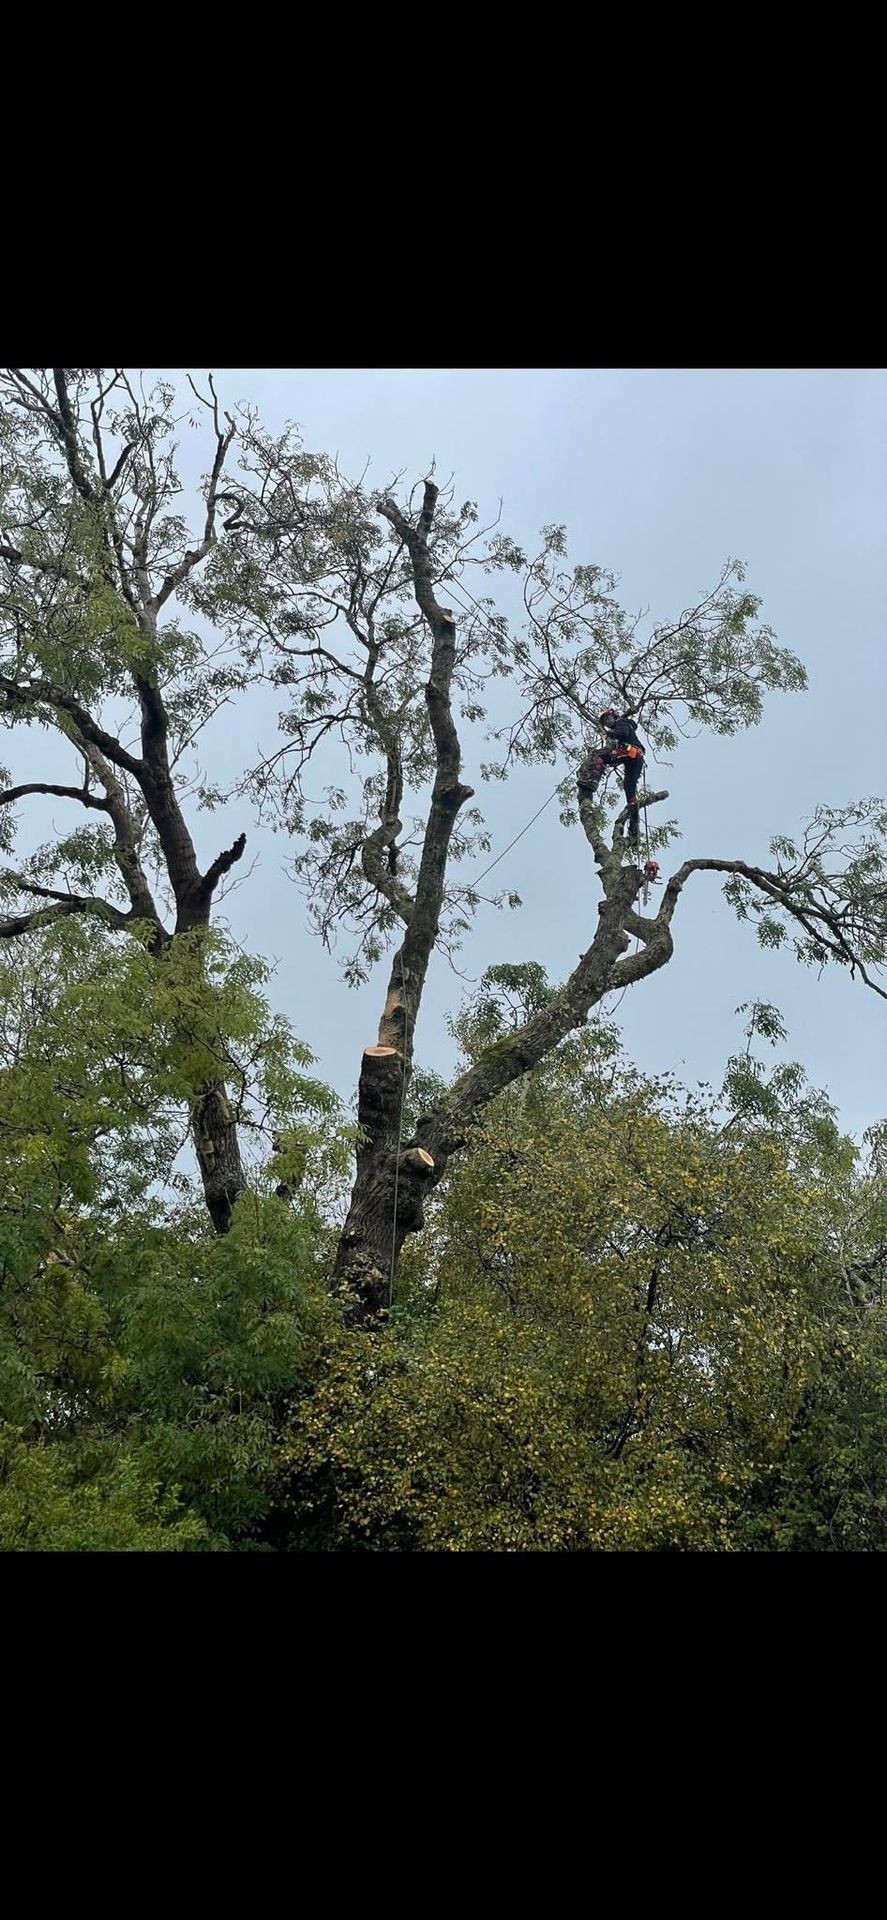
x=513 y=843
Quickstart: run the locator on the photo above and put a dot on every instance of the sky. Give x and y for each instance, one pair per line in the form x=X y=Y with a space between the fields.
x=659 y=475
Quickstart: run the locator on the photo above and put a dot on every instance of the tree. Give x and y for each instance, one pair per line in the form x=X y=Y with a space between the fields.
x=341 y=595
x=646 y=1346
x=672 y=1341
x=94 y=563
x=145 y=1363
x=318 y=575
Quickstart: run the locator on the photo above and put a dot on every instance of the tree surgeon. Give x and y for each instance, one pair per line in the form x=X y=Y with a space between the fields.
x=622 y=748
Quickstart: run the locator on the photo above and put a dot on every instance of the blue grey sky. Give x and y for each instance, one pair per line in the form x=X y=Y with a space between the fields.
x=659 y=476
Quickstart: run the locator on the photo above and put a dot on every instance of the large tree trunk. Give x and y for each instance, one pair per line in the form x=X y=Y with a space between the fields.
x=214 y=1133
x=213 y=1121
x=386 y=1202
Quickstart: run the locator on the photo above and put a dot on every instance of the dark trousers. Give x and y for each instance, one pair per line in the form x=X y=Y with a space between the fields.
x=632 y=769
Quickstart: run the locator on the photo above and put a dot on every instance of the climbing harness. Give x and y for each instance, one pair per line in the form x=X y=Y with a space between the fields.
x=622 y=745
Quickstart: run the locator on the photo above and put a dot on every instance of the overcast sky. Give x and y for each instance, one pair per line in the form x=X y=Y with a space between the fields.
x=659 y=476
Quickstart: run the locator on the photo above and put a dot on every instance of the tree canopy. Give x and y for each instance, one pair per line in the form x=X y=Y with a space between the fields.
x=551 y=1304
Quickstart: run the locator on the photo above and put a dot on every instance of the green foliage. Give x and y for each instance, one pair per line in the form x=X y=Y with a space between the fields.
x=640 y=1320
x=580 y=651
x=826 y=895
x=103 y=1046
x=143 y=1371
x=47 y=1506
x=143 y=1359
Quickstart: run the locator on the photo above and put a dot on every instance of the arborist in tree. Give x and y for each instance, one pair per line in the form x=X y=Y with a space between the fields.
x=622 y=746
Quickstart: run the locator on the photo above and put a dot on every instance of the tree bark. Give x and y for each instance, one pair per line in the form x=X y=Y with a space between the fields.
x=386 y=1201
x=214 y=1133
x=369 y=1239
x=389 y=1189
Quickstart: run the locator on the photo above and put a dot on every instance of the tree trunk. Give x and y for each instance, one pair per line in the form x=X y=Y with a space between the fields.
x=214 y=1133
x=213 y=1122
x=392 y=1183
x=376 y=1228
x=389 y=1189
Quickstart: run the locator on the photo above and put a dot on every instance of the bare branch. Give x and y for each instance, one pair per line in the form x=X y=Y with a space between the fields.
x=222 y=865
x=69 y=435
x=26 y=922
x=820 y=922
x=195 y=554
x=125 y=837
x=380 y=876
x=70 y=903
x=43 y=693
x=82 y=794
x=600 y=969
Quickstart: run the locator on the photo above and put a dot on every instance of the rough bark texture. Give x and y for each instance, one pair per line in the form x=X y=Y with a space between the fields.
x=214 y=1132
x=363 y=1264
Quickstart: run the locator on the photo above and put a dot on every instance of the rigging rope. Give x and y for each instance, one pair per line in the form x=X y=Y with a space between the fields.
x=513 y=843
